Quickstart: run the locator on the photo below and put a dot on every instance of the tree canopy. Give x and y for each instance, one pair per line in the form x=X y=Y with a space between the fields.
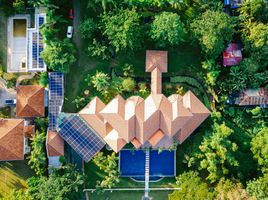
x=167 y=29
x=214 y=30
x=59 y=55
x=217 y=152
x=123 y=29
x=191 y=187
x=259 y=147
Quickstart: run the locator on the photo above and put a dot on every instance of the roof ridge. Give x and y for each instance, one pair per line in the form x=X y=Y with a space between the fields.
x=12 y=129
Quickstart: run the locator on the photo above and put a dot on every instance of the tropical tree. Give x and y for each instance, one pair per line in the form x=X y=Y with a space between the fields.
x=99 y=49
x=258 y=188
x=214 y=30
x=231 y=190
x=123 y=29
x=191 y=187
x=37 y=159
x=59 y=55
x=18 y=195
x=64 y=182
x=167 y=29
x=253 y=10
x=101 y=82
x=87 y=28
x=128 y=84
x=109 y=165
x=216 y=153
x=43 y=79
x=259 y=148
x=19 y=6
x=212 y=73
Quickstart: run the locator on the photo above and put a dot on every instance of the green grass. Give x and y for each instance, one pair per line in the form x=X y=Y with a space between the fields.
x=13 y=175
x=184 y=59
x=94 y=174
x=129 y=195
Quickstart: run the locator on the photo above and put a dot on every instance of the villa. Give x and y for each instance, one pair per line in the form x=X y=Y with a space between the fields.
x=14 y=139
x=25 y=44
x=157 y=122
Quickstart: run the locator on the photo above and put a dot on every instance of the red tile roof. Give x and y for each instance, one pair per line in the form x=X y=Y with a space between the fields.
x=140 y=121
x=55 y=144
x=30 y=101
x=11 y=139
x=232 y=55
x=29 y=131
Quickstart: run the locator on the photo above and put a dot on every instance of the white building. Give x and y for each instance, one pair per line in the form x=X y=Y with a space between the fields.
x=25 y=44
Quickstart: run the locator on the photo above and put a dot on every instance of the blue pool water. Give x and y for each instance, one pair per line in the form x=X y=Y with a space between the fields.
x=132 y=163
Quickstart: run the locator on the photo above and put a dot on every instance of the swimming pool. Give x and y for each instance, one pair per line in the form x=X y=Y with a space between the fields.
x=132 y=164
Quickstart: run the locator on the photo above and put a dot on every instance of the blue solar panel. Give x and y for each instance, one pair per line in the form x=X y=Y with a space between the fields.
x=34 y=51
x=56 y=97
x=41 y=21
x=79 y=136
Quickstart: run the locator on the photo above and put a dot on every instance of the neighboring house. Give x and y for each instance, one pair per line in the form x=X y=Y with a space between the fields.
x=55 y=148
x=157 y=121
x=250 y=97
x=30 y=101
x=14 y=136
x=25 y=44
x=233 y=3
x=232 y=55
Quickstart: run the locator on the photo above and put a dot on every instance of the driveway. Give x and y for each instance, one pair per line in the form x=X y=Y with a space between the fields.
x=5 y=93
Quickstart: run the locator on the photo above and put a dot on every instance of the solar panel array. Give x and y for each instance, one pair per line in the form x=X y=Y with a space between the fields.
x=36 y=45
x=41 y=21
x=75 y=131
x=34 y=50
x=56 y=97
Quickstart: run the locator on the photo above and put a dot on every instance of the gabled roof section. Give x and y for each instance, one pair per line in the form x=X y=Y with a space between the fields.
x=29 y=131
x=116 y=106
x=55 y=144
x=115 y=141
x=253 y=97
x=30 y=101
x=11 y=139
x=191 y=102
x=156 y=59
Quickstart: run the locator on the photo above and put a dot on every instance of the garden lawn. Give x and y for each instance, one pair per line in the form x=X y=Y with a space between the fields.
x=13 y=175
x=93 y=174
x=129 y=195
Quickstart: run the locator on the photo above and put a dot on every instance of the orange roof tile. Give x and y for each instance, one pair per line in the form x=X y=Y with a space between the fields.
x=156 y=59
x=91 y=115
x=29 y=131
x=30 y=101
x=11 y=139
x=156 y=137
x=115 y=141
x=136 y=143
x=55 y=144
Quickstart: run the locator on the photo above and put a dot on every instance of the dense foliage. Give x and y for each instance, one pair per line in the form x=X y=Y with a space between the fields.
x=167 y=29
x=192 y=187
x=214 y=30
x=63 y=183
x=109 y=165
